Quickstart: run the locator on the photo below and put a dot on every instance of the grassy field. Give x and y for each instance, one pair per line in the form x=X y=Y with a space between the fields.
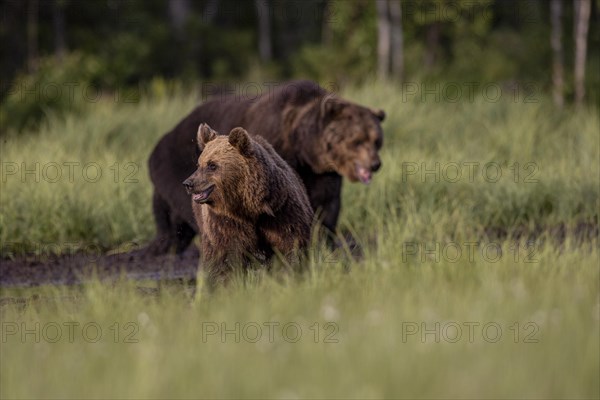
x=450 y=300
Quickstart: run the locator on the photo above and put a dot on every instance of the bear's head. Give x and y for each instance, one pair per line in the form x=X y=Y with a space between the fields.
x=352 y=137
x=228 y=175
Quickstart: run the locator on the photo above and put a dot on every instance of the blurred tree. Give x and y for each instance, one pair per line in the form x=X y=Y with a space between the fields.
x=32 y=35
x=297 y=23
x=210 y=11
x=58 y=20
x=384 y=39
x=582 y=17
x=326 y=30
x=390 y=48
x=179 y=11
x=432 y=44
x=397 y=44
x=350 y=55
x=203 y=17
x=133 y=42
x=264 y=29
x=557 y=53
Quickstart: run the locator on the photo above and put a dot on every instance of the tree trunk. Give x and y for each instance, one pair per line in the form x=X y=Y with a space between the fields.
x=397 y=40
x=264 y=30
x=209 y=14
x=32 y=35
x=383 y=39
x=210 y=11
x=58 y=19
x=432 y=43
x=582 y=19
x=557 y=53
x=179 y=10
x=326 y=32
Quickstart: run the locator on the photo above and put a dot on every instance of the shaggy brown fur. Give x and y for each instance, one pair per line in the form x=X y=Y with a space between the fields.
x=321 y=136
x=247 y=202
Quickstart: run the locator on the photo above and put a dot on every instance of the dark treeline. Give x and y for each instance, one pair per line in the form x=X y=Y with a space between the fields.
x=120 y=43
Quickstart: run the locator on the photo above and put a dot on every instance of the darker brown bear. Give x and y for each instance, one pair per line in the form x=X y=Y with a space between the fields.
x=322 y=137
x=247 y=202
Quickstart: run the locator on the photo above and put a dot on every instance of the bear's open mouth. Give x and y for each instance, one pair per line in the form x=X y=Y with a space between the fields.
x=363 y=174
x=202 y=197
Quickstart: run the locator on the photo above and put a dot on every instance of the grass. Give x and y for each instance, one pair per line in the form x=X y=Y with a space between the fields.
x=421 y=268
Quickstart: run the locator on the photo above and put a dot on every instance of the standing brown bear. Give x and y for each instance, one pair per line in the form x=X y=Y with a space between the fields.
x=247 y=202
x=321 y=136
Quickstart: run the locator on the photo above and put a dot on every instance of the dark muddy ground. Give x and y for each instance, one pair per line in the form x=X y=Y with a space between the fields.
x=76 y=268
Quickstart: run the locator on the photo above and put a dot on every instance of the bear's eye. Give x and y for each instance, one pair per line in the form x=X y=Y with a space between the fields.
x=211 y=166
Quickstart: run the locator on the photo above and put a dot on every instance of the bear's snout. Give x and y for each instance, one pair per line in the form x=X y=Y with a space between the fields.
x=189 y=185
x=376 y=165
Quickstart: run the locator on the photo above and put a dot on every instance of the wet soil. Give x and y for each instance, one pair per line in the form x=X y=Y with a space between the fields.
x=76 y=268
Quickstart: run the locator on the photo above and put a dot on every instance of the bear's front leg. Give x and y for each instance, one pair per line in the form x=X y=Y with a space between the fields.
x=324 y=192
x=288 y=242
x=213 y=264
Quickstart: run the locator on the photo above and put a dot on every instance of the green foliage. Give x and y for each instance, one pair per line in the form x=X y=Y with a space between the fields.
x=122 y=46
x=56 y=88
x=350 y=55
x=225 y=62
x=102 y=197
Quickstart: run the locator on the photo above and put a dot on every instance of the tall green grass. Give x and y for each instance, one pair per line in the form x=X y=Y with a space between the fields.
x=365 y=333
x=426 y=261
x=548 y=163
x=101 y=193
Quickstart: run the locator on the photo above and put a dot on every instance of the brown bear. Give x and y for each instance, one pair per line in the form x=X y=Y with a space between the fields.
x=321 y=136
x=247 y=202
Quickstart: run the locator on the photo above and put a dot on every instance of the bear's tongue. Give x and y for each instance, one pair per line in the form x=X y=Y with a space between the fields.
x=199 y=196
x=202 y=196
x=364 y=175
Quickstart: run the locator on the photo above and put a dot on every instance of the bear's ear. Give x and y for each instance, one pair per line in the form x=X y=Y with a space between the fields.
x=205 y=135
x=331 y=106
x=239 y=138
x=380 y=114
